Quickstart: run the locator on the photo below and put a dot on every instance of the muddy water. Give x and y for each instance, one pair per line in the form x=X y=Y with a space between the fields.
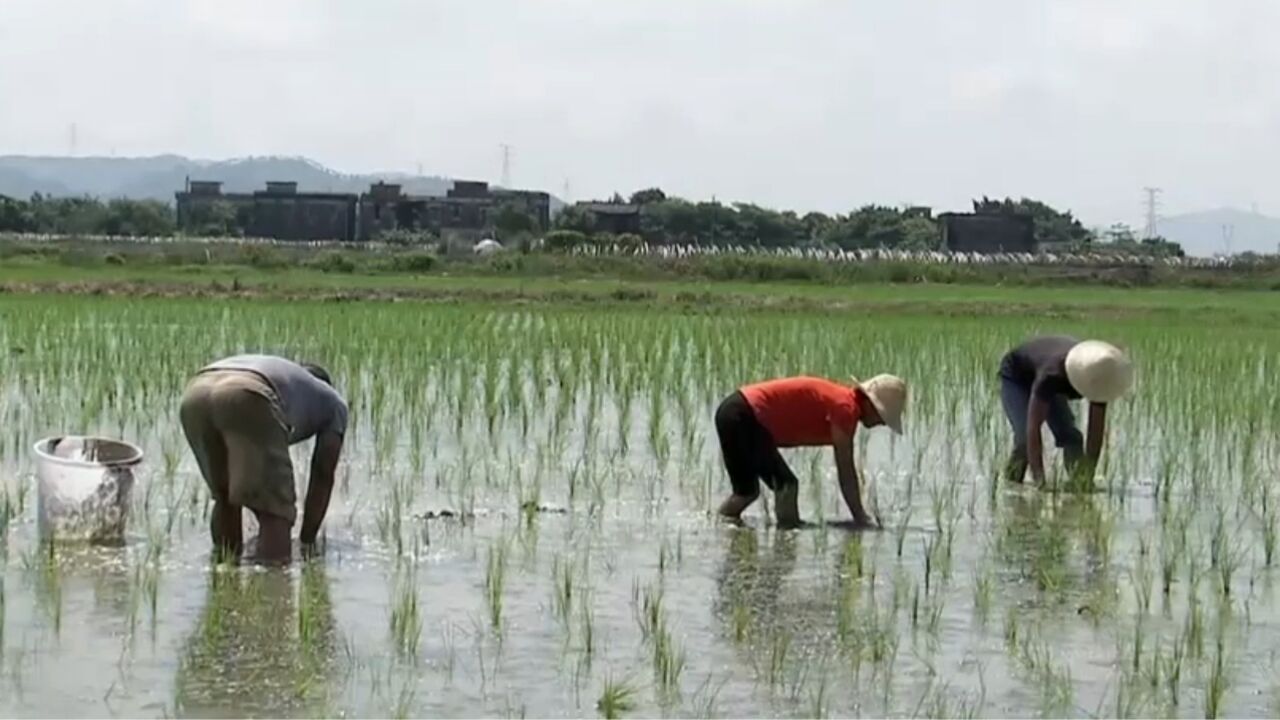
x=820 y=620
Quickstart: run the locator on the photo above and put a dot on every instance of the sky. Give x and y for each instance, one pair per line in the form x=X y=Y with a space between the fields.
x=808 y=105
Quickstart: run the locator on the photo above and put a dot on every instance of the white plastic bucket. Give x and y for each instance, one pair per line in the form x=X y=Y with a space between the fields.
x=84 y=487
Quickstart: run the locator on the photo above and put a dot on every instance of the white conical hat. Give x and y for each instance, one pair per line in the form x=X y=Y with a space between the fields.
x=1099 y=371
x=888 y=393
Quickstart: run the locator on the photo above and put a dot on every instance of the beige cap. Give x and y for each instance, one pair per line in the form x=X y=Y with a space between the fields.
x=888 y=393
x=1099 y=371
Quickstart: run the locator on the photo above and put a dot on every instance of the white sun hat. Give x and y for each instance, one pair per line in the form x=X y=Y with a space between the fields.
x=888 y=393
x=1099 y=371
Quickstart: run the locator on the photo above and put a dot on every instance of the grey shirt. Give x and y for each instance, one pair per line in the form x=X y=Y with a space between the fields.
x=310 y=405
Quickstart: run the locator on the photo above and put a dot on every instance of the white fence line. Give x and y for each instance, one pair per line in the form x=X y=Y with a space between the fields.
x=872 y=255
x=937 y=257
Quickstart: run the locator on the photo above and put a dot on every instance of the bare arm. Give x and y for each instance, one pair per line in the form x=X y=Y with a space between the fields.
x=324 y=464
x=1097 y=434
x=847 y=472
x=1036 y=414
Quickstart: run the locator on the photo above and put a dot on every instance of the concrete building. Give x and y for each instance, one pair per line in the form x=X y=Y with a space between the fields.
x=614 y=218
x=196 y=205
x=469 y=210
x=283 y=213
x=987 y=232
x=378 y=208
x=279 y=211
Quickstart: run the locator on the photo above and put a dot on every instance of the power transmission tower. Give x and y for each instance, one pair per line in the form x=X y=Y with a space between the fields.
x=72 y=140
x=1228 y=234
x=506 y=164
x=1153 y=205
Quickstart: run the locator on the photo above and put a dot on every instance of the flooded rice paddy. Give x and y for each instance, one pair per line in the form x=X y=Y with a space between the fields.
x=524 y=525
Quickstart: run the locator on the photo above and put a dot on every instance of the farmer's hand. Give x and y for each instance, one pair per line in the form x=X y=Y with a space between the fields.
x=313 y=549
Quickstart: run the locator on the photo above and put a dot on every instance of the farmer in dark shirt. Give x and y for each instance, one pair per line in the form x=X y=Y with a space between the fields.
x=1039 y=379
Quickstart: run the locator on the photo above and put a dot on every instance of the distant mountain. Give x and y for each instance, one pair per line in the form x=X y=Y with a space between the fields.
x=160 y=177
x=1202 y=233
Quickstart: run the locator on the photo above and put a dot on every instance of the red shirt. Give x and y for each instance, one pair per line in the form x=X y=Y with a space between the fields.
x=800 y=411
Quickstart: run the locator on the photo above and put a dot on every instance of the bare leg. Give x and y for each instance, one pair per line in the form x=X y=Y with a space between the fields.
x=227 y=531
x=1073 y=458
x=786 y=502
x=1015 y=470
x=274 y=542
x=734 y=505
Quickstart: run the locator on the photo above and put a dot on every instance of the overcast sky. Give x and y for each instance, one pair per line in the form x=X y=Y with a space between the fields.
x=791 y=103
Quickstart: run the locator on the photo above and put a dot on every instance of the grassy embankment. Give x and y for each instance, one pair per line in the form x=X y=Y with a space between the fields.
x=227 y=270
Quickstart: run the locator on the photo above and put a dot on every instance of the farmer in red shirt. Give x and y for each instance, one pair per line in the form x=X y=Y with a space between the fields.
x=800 y=412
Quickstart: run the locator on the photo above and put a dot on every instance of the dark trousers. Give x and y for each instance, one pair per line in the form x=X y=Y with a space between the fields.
x=750 y=454
x=1016 y=399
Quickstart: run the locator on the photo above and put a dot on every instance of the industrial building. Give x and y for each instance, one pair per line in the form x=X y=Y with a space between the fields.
x=987 y=232
x=282 y=212
x=469 y=209
x=612 y=217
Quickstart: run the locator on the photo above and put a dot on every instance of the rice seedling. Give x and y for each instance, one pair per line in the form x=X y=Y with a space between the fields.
x=1056 y=692
x=495 y=582
x=939 y=700
x=1171 y=552
x=669 y=663
x=562 y=580
x=668 y=658
x=1140 y=577
x=7 y=513
x=403 y=706
x=49 y=583
x=707 y=695
x=1230 y=557
x=648 y=605
x=1219 y=680
x=1270 y=523
x=741 y=620
x=818 y=707
x=587 y=628
x=779 y=648
x=1171 y=671
x=405 y=621
x=617 y=697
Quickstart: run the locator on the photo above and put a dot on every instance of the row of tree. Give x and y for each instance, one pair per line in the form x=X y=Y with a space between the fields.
x=86 y=216
x=663 y=220
x=674 y=221
x=667 y=220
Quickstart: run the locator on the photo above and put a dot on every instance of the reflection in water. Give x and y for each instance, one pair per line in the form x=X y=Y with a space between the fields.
x=259 y=648
x=1061 y=544
x=750 y=586
x=783 y=613
x=753 y=595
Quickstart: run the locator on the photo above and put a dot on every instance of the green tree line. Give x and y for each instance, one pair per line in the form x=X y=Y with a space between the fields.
x=86 y=216
x=668 y=220
x=664 y=220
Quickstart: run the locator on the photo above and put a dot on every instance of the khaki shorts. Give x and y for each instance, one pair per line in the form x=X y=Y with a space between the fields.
x=234 y=424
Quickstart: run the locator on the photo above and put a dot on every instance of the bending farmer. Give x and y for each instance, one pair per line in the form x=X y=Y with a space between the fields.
x=240 y=416
x=1039 y=378
x=800 y=412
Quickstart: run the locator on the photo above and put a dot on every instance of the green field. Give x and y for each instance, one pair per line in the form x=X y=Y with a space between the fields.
x=565 y=427
x=1171 y=304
